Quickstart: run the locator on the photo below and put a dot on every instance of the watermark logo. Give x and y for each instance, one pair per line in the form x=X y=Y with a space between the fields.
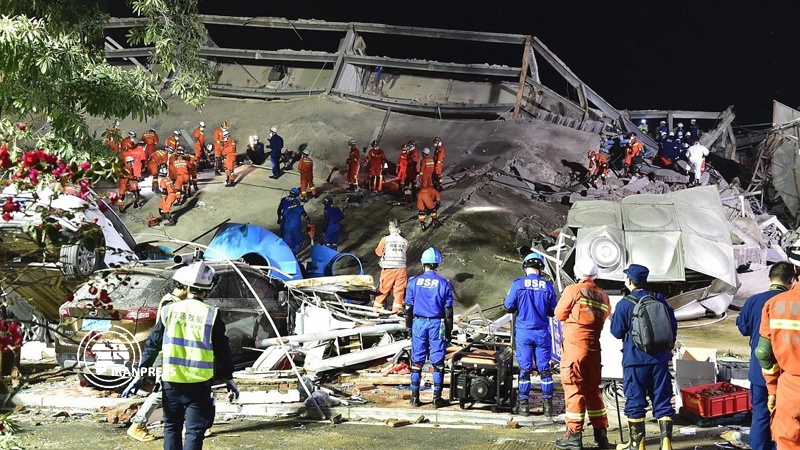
x=107 y=357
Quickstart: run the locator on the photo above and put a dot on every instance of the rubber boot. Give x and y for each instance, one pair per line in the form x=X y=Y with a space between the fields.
x=665 y=425
x=438 y=401
x=522 y=408
x=424 y=226
x=571 y=441
x=140 y=432
x=601 y=438
x=137 y=198
x=547 y=407
x=436 y=224
x=415 y=398
x=636 y=442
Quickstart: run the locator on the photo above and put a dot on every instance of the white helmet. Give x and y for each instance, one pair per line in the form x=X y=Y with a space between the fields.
x=195 y=275
x=680 y=124
x=132 y=134
x=255 y=137
x=202 y=124
x=585 y=269
x=210 y=147
x=176 y=133
x=226 y=133
x=426 y=151
x=273 y=130
x=694 y=120
x=306 y=151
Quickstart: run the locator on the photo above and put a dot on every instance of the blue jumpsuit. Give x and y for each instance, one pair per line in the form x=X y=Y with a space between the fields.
x=429 y=295
x=533 y=300
x=293 y=230
x=670 y=148
x=644 y=375
x=333 y=216
x=749 y=322
x=285 y=203
x=275 y=146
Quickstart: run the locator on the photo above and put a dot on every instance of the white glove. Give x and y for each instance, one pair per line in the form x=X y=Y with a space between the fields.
x=385 y=165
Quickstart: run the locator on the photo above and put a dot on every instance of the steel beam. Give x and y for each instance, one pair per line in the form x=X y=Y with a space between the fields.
x=404 y=105
x=433 y=66
x=218 y=52
x=523 y=73
x=660 y=114
x=260 y=93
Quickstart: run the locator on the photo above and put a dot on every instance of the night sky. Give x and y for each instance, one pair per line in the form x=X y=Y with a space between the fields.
x=694 y=55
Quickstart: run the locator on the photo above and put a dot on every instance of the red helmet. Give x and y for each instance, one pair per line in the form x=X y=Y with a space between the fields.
x=592 y=154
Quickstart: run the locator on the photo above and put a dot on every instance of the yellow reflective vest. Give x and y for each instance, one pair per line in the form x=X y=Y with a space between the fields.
x=187 y=350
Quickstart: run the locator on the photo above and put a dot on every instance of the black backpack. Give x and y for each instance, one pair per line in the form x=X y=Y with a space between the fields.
x=651 y=327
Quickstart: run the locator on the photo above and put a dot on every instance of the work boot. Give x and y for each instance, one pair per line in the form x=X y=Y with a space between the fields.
x=522 y=408
x=665 y=425
x=571 y=441
x=140 y=432
x=636 y=442
x=439 y=402
x=547 y=407
x=415 y=398
x=424 y=227
x=436 y=224
x=601 y=438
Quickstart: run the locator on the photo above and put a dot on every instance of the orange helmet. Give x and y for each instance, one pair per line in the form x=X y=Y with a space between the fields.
x=592 y=154
x=374 y=144
x=224 y=124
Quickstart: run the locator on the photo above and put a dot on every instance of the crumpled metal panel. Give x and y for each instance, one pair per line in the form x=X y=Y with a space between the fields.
x=786 y=158
x=594 y=213
x=661 y=252
x=606 y=246
x=711 y=258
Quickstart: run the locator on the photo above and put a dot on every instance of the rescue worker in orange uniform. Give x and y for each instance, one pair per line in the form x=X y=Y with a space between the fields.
x=171 y=157
x=584 y=308
x=173 y=141
x=394 y=277
x=150 y=138
x=438 y=157
x=158 y=158
x=182 y=187
x=128 y=143
x=192 y=164
x=428 y=200
x=112 y=137
x=229 y=153
x=306 y=168
x=426 y=168
x=402 y=173
x=634 y=150
x=223 y=127
x=199 y=148
x=139 y=154
x=599 y=163
x=199 y=134
x=353 y=164
x=778 y=354
x=167 y=197
x=128 y=181
x=376 y=159
x=412 y=170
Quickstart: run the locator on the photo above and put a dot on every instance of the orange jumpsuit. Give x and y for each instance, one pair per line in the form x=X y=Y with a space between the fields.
x=600 y=165
x=150 y=139
x=394 y=277
x=412 y=170
x=157 y=158
x=126 y=144
x=353 y=164
x=173 y=142
x=376 y=158
x=181 y=177
x=402 y=166
x=426 y=167
x=584 y=308
x=200 y=135
x=192 y=164
x=635 y=149
x=229 y=153
x=779 y=320
x=218 y=142
x=125 y=175
x=428 y=200
x=168 y=199
x=306 y=168
x=112 y=138
x=438 y=156
x=199 y=151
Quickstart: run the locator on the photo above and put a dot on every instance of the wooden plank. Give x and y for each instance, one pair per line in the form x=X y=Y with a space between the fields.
x=523 y=73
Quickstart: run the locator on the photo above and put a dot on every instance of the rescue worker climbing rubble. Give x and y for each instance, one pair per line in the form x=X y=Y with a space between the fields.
x=633 y=154
x=392 y=249
x=696 y=154
x=584 y=308
x=438 y=157
x=428 y=200
x=376 y=159
x=599 y=163
x=645 y=374
x=429 y=315
x=332 y=218
x=533 y=301
x=779 y=357
x=306 y=168
x=353 y=164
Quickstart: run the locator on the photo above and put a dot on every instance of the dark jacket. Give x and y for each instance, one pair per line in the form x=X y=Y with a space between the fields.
x=621 y=324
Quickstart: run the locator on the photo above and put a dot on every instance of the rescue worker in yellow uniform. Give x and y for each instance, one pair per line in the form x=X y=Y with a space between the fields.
x=584 y=308
x=191 y=336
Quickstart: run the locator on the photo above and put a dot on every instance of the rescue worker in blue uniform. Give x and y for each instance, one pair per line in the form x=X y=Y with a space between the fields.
x=286 y=201
x=694 y=128
x=332 y=217
x=429 y=315
x=292 y=222
x=275 y=149
x=781 y=276
x=644 y=375
x=192 y=337
x=533 y=300
x=662 y=127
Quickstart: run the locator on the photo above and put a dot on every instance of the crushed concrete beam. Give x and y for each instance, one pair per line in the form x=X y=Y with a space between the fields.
x=219 y=52
x=677 y=114
x=433 y=66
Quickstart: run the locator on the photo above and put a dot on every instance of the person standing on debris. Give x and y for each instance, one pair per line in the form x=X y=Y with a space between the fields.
x=534 y=301
x=643 y=127
x=426 y=169
x=376 y=158
x=401 y=170
x=218 y=143
x=229 y=153
x=150 y=138
x=584 y=308
x=669 y=152
x=275 y=150
x=781 y=277
x=428 y=200
x=694 y=129
x=438 y=157
x=191 y=336
x=696 y=154
x=633 y=154
x=255 y=151
x=292 y=226
x=645 y=374
x=779 y=357
x=394 y=278
x=599 y=163
x=332 y=218
x=662 y=127
x=429 y=316
x=168 y=195
x=306 y=168
x=353 y=164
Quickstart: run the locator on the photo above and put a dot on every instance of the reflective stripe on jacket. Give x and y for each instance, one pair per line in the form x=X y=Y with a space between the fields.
x=188 y=353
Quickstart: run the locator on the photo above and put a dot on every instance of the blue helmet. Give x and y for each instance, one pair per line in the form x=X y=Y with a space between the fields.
x=294 y=192
x=533 y=260
x=431 y=256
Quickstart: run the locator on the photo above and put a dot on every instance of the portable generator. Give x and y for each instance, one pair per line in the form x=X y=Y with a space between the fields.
x=482 y=373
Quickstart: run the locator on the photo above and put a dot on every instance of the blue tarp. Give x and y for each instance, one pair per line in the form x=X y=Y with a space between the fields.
x=235 y=240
